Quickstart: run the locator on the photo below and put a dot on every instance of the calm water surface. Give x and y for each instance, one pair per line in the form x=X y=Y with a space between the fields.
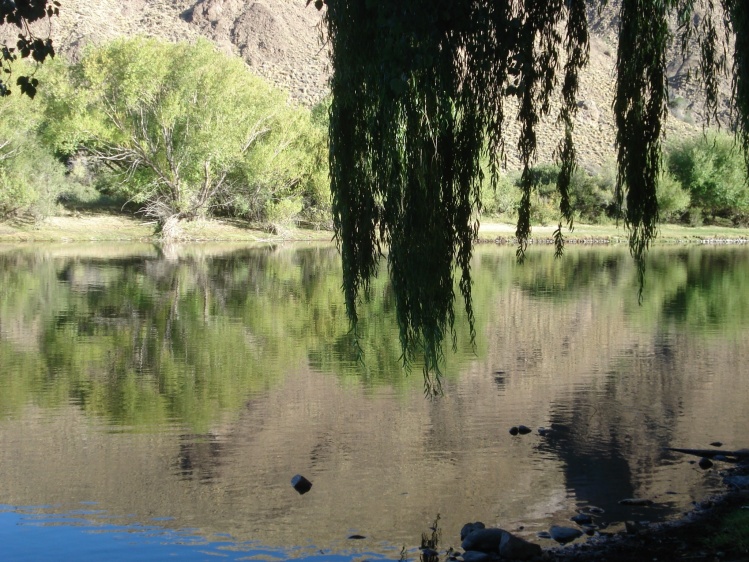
x=156 y=403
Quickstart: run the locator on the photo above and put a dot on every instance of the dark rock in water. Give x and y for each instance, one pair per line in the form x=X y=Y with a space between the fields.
x=476 y=556
x=514 y=430
x=589 y=530
x=716 y=444
x=595 y=510
x=357 y=537
x=301 y=484
x=636 y=501
x=483 y=540
x=582 y=519
x=543 y=432
x=705 y=463
x=524 y=430
x=563 y=535
x=635 y=527
x=515 y=548
x=469 y=528
x=543 y=535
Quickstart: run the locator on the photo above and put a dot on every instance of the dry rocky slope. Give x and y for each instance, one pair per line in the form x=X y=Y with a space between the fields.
x=280 y=40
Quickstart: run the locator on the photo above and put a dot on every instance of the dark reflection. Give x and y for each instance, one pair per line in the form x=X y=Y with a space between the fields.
x=199 y=457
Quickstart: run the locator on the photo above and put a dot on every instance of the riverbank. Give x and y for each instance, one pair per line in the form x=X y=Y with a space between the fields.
x=102 y=227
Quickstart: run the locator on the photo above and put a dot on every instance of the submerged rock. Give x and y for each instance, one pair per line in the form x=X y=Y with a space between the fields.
x=636 y=501
x=484 y=540
x=563 y=535
x=515 y=548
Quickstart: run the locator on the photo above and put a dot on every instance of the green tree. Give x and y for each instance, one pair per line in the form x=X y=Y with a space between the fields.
x=31 y=178
x=184 y=128
x=419 y=91
x=712 y=170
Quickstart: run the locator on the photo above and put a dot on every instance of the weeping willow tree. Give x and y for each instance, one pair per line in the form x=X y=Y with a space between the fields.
x=420 y=95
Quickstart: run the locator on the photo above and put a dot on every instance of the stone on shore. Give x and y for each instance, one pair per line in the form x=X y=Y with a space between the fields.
x=469 y=528
x=563 y=535
x=476 y=556
x=515 y=548
x=582 y=519
x=484 y=540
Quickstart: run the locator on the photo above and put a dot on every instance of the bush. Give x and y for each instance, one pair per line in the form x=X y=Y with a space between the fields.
x=31 y=178
x=712 y=169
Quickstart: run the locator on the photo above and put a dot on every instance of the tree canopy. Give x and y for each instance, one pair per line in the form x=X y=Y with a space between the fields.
x=420 y=94
x=183 y=129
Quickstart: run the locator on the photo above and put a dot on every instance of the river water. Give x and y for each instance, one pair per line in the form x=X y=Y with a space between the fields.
x=157 y=402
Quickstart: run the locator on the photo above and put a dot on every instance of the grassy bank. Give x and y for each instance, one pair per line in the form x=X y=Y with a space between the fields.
x=102 y=227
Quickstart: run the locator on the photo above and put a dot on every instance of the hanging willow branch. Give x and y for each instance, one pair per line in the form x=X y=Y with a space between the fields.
x=419 y=91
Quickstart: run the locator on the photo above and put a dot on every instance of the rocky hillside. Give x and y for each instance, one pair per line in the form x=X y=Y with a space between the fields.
x=280 y=40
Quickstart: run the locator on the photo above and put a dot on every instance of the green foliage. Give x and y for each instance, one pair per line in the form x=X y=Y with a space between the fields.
x=711 y=168
x=185 y=130
x=31 y=179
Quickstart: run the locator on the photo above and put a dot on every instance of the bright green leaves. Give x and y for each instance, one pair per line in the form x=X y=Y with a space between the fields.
x=185 y=129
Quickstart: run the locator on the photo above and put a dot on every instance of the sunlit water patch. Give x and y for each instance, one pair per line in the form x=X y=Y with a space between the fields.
x=158 y=405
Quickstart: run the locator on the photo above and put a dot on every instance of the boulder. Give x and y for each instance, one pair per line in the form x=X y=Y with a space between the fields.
x=514 y=430
x=515 y=548
x=705 y=463
x=524 y=429
x=476 y=556
x=469 y=528
x=483 y=540
x=563 y=535
x=582 y=519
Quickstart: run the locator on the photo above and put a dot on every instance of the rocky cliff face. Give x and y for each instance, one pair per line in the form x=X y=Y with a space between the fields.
x=281 y=41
